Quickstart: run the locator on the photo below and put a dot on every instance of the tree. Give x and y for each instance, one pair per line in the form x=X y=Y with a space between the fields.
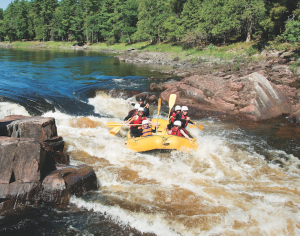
x=152 y=16
x=43 y=13
x=292 y=31
x=1 y=24
x=89 y=8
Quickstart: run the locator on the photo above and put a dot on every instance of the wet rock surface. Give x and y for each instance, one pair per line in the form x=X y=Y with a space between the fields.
x=29 y=170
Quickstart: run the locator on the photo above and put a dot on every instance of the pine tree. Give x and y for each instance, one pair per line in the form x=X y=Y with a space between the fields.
x=2 y=30
x=44 y=12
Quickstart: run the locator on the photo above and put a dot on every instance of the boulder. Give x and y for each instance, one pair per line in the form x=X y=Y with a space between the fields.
x=250 y=97
x=23 y=160
x=156 y=87
x=37 y=127
x=55 y=149
x=28 y=173
x=7 y=120
x=66 y=181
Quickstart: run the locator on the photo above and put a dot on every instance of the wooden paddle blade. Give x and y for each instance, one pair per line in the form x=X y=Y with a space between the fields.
x=159 y=106
x=172 y=100
x=193 y=126
x=115 y=130
x=200 y=127
x=112 y=124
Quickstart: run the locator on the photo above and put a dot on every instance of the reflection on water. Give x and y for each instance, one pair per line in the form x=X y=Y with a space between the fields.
x=45 y=80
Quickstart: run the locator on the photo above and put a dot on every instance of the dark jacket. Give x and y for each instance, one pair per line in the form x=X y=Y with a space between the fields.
x=184 y=122
x=130 y=114
x=146 y=110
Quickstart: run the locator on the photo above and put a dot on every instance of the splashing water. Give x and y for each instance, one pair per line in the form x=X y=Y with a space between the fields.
x=223 y=188
x=8 y=109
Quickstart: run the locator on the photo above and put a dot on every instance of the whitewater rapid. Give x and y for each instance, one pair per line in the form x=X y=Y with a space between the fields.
x=223 y=188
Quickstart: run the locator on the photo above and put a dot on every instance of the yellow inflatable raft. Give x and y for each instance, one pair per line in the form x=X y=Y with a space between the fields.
x=161 y=141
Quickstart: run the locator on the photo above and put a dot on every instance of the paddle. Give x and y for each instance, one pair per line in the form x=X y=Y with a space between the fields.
x=172 y=100
x=118 y=124
x=116 y=130
x=112 y=124
x=195 y=126
x=158 y=110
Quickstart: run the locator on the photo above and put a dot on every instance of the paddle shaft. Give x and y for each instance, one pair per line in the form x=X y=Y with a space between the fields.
x=172 y=100
x=158 y=110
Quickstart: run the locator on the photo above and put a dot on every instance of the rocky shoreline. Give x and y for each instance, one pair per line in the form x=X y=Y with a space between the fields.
x=239 y=89
x=34 y=168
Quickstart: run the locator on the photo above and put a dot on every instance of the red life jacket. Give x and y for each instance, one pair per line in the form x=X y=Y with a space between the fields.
x=138 y=121
x=172 y=116
x=147 y=132
x=176 y=131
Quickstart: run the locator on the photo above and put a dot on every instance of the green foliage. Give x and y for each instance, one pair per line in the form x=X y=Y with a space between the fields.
x=292 y=31
x=193 y=23
x=251 y=51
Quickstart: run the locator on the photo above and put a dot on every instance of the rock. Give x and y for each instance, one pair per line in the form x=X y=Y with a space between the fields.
x=28 y=173
x=152 y=99
x=66 y=181
x=131 y=49
x=23 y=160
x=252 y=97
x=7 y=120
x=297 y=71
x=55 y=149
x=156 y=87
x=295 y=117
x=37 y=127
x=282 y=68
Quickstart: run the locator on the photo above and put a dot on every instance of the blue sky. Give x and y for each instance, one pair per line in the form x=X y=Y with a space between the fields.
x=4 y=3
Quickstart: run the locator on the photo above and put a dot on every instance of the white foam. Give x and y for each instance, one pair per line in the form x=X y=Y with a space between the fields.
x=139 y=221
x=8 y=108
x=223 y=173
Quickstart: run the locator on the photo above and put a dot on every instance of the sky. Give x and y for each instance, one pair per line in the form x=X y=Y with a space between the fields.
x=4 y=3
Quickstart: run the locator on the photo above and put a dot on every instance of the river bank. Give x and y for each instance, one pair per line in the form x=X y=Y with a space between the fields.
x=229 y=67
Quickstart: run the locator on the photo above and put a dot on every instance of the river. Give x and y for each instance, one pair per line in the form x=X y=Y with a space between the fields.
x=242 y=180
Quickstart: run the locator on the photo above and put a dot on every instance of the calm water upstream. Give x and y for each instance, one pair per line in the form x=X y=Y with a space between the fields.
x=242 y=180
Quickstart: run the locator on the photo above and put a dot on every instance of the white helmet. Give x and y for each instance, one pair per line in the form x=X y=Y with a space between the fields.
x=184 y=108
x=145 y=122
x=141 y=109
x=177 y=122
x=177 y=108
x=136 y=106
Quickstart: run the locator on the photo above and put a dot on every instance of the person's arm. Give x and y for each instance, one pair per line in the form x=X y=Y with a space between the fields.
x=189 y=121
x=185 y=135
x=132 y=104
x=130 y=121
x=151 y=122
